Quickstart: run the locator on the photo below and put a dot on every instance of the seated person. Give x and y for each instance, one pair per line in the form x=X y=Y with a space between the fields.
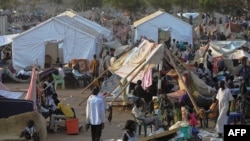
x=49 y=90
x=63 y=111
x=154 y=120
x=77 y=74
x=52 y=104
x=61 y=71
x=140 y=93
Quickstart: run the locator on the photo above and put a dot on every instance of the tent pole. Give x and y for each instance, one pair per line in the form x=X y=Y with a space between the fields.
x=124 y=87
x=179 y=75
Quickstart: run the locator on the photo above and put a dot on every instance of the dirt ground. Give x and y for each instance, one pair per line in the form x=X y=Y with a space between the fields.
x=73 y=97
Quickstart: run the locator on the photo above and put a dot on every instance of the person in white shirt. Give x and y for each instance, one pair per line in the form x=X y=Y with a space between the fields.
x=61 y=71
x=76 y=72
x=224 y=98
x=95 y=114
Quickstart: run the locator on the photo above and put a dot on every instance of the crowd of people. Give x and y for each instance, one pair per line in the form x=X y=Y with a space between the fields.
x=143 y=105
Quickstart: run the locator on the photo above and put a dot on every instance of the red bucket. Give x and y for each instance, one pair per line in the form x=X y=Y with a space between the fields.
x=72 y=126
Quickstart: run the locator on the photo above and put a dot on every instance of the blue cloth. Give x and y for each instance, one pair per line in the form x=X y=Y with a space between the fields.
x=236 y=91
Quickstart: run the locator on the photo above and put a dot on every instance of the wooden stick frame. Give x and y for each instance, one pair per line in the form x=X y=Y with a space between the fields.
x=179 y=75
x=124 y=87
x=116 y=85
x=101 y=74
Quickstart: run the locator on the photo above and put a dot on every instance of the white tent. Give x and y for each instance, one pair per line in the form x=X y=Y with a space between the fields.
x=151 y=24
x=76 y=36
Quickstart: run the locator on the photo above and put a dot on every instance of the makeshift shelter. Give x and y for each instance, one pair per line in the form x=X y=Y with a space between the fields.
x=74 y=36
x=226 y=50
x=130 y=67
x=150 y=26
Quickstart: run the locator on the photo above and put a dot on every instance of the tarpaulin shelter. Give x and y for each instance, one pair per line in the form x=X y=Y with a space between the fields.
x=77 y=37
x=150 y=25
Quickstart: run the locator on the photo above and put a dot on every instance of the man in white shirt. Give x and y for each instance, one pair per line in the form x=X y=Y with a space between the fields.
x=95 y=114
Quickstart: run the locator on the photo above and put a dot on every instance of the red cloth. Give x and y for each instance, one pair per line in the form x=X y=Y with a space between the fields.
x=31 y=94
x=192 y=120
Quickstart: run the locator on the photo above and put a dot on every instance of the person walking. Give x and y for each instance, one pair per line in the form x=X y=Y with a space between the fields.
x=224 y=98
x=95 y=114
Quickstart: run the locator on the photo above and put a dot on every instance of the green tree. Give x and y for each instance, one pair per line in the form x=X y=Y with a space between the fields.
x=233 y=7
x=209 y=5
x=132 y=6
x=57 y=2
x=9 y=4
x=181 y=4
x=83 y=5
x=161 y=4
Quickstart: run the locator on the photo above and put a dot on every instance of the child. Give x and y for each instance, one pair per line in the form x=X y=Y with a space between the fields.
x=30 y=132
x=129 y=133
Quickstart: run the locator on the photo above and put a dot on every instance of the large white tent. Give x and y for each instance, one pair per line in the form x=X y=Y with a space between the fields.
x=150 y=25
x=76 y=36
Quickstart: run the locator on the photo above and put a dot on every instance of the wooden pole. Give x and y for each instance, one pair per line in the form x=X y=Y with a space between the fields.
x=179 y=75
x=142 y=65
x=101 y=74
x=116 y=85
x=94 y=81
x=91 y=93
x=178 y=60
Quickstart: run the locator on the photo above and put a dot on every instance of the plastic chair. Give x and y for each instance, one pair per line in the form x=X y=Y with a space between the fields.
x=58 y=80
x=140 y=122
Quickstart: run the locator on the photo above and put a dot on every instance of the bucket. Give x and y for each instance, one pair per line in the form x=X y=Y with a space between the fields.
x=72 y=126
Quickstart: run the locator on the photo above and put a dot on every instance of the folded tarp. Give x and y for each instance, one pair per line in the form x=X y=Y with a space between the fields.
x=10 y=107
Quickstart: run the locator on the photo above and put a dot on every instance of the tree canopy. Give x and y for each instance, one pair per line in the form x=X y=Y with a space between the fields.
x=131 y=6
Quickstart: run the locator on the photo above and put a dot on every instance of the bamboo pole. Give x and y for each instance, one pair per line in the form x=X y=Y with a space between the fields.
x=179 y=75
x=142 y=65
